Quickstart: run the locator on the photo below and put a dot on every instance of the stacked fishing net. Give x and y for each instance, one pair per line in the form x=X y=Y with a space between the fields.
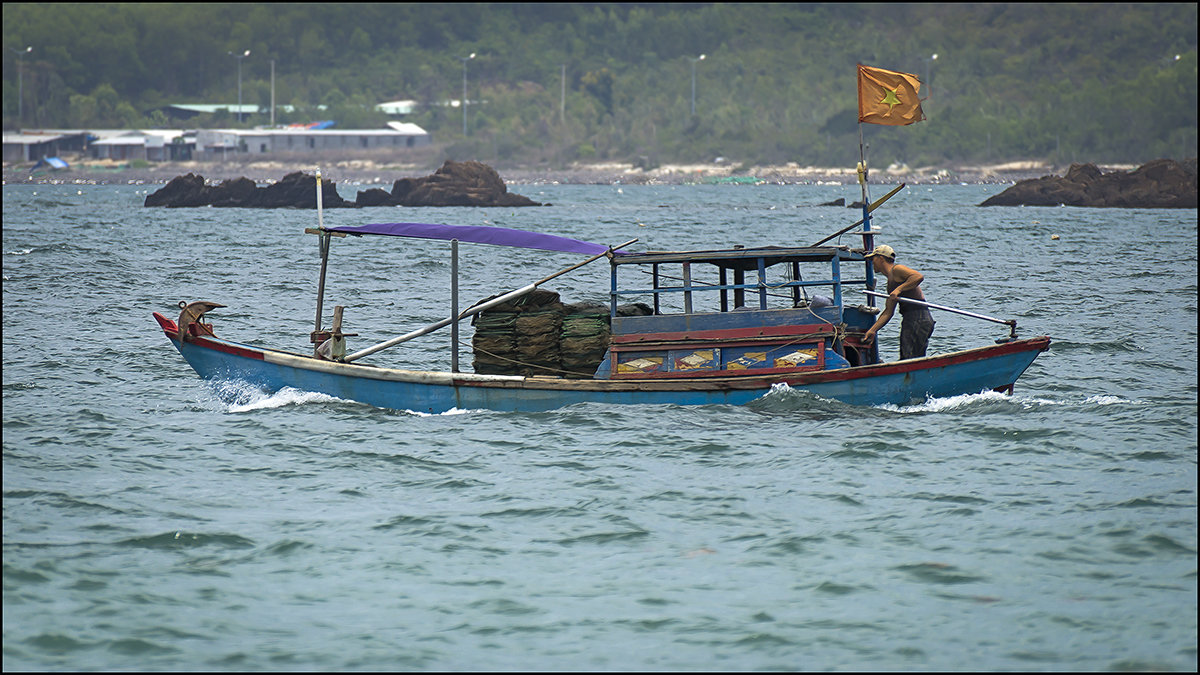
x=536 y=334
x=519 y=337
x=585 y=333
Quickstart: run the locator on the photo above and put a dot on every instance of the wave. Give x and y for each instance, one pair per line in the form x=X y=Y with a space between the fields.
x=783 y=398
x=240 y=396
x=992 y=397
x=948 y=403
x=1108 y=399
x=452 y=411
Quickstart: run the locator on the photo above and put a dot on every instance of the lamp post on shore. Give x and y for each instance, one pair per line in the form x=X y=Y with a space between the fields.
x=21 y=82
x=928 y=82
x=239 y=58
x=694 y=61
x=464 y=60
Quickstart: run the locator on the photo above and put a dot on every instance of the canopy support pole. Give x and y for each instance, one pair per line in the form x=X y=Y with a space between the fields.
x=479 y=308
x=323 y=240
x=454 y=305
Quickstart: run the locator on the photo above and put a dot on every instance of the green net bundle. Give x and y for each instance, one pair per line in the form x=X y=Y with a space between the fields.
x=585 y=337
x=518 y=337
x=537 y=334
x=537 y=339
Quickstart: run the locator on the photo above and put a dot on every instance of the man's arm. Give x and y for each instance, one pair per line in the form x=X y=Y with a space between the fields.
x=908 y=278
x=885 y=316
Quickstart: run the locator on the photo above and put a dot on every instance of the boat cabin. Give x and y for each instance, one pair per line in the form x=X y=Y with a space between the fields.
x=726 y=312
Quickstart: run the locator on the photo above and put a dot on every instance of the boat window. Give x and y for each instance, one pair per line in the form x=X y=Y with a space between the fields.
x=703 y=286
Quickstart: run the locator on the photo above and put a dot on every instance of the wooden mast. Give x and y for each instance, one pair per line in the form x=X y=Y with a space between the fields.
x=323 y=239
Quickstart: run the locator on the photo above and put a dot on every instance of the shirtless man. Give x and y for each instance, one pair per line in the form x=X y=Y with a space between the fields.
x=916 y=324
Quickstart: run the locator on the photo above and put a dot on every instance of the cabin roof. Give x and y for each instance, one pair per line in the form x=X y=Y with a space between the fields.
x=746 y=258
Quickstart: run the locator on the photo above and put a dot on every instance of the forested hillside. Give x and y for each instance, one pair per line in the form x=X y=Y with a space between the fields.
x=1098 y=83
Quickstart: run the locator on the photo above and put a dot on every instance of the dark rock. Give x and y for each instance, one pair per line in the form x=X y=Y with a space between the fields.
x=296 y=190
x=187 y=190
x=235 y=192
x=1160 y=184
x=402 y=188
x=837 y=202
x=374 y=197
x=455 y=184
x=467 y=183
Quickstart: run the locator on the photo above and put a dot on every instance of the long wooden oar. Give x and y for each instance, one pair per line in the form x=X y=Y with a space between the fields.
x=480 y=307
x=1011 y=323
x=873 y=206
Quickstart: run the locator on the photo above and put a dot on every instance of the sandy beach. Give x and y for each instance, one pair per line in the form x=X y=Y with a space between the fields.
x=376 y=172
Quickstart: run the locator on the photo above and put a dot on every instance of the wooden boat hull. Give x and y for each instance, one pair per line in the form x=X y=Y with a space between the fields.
x=971 y=371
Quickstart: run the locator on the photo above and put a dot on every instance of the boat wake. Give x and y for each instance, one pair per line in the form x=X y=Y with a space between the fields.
x=452 y=411
x=239 y=396
x=949 y=403
x=783 y=398
x=993 y=399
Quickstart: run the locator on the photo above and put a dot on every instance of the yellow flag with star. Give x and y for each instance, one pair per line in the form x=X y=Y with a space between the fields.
x=888 y=97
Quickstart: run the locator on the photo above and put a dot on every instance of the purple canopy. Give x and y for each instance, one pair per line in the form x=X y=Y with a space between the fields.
x=479 y=234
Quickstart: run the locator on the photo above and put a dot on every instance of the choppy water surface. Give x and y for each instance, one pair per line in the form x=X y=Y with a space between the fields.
x=154 y=521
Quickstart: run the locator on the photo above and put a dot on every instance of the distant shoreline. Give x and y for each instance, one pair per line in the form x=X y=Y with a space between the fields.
x=368 y=172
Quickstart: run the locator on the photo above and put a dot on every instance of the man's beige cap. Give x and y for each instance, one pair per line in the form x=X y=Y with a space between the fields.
x=885 y=251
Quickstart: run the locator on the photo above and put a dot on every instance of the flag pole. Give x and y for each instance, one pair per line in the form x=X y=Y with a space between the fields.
x=899 y=105
x=868 y=239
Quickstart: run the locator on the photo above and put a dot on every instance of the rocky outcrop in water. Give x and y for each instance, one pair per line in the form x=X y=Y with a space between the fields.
x=295 y=190
x=1160 y=184
x=455 y=184
x=467 y=183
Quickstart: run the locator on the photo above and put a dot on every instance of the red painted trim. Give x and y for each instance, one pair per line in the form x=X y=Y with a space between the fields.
x=172 y=332
x=1041 y=343
x=725 y=334
x=227 y=348
x=168 y=326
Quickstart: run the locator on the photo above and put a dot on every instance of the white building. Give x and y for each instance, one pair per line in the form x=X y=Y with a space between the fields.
x=154 y=145
x=216 y=144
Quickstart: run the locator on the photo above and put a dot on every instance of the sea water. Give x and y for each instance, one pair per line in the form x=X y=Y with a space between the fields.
x=154 y=521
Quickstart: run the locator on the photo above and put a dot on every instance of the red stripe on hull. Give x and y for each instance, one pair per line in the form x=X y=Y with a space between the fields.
x=172 y=331
x=899 y=367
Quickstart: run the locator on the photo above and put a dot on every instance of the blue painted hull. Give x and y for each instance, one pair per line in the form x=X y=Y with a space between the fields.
x=966 y=372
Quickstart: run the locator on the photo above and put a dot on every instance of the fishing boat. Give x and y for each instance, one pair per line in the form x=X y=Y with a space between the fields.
x=722 y=326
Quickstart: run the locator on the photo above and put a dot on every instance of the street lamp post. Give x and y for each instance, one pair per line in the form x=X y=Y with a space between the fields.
x=239 y=58
x=694 y=61
x=20 y=82
x=464 y=60
x=928 y=82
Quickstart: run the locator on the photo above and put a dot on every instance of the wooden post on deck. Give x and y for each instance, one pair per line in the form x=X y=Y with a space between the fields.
x=454 y=305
